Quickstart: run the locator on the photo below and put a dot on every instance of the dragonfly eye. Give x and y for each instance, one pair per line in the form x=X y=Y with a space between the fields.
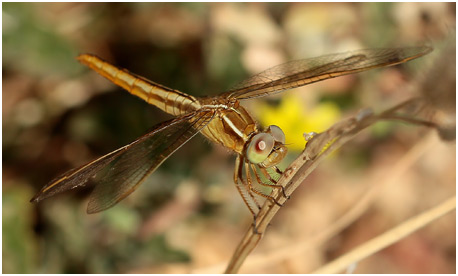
x=260 y=147
x=277 y=133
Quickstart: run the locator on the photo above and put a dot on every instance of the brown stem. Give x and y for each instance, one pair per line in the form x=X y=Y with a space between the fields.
x=320 y=146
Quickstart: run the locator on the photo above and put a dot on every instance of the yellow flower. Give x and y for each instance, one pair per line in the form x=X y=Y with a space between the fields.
x=294 y=119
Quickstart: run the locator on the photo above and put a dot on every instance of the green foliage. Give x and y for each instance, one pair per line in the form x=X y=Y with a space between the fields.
x=19 y=246
x=33 y=45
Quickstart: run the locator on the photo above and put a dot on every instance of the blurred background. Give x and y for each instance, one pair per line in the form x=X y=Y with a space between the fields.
x=57 y=115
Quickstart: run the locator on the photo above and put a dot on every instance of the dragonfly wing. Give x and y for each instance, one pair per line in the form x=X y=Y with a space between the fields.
x=301 y=72
x=75 y=178
x=131 y=168
x=119 y=173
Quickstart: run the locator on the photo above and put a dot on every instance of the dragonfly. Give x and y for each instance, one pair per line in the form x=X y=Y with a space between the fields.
x=219 y=118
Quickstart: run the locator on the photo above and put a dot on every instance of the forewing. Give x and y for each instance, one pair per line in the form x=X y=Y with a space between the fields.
x=301 y=72
x=121 y=171
x=77 y=177
x=128 y=170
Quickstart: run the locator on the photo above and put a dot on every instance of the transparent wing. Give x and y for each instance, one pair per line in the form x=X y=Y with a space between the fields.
x=301 y=72
x=121 y=171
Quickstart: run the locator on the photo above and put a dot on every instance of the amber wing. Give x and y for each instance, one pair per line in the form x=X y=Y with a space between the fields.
x=301 y=72
x=124 y=169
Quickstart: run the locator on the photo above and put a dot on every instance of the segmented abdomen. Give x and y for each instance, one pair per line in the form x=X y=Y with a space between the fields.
x=171 y=101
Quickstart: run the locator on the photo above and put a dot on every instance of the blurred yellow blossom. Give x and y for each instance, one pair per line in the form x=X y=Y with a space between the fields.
x=293 y=117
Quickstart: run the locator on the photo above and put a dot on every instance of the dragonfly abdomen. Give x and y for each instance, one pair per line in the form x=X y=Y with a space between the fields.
x=171 y=101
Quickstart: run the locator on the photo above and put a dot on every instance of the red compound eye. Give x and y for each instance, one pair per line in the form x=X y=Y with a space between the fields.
x=260 y=147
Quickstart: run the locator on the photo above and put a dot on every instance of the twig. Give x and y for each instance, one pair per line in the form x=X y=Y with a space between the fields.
x=317 y=149
x=357 y=209
x=389 y=237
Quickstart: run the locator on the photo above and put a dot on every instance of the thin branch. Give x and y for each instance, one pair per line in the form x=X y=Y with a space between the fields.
x=320 y=146
x=388 y=238
x=357 y=209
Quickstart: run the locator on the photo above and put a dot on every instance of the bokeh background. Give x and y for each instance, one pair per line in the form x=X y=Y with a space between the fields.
x=57 y=114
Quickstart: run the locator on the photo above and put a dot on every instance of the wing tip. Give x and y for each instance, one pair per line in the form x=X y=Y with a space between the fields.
x=426 y=49
x=37 y=197
x=93 y=208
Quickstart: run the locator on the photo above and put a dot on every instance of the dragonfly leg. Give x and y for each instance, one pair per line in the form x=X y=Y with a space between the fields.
x=240 y=189
x=277 y=170
x=239 y=175
x=269 y=177
x=254 y=190
x=246 y=186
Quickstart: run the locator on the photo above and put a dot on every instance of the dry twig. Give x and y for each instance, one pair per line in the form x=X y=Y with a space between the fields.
x=389 y=237
x=435 y=98
x=316 y=150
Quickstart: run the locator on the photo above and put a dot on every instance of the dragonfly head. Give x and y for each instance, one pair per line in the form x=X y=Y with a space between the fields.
x=267 y=148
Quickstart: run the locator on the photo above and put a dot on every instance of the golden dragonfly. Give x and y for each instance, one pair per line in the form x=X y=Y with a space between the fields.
x=220 y=118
